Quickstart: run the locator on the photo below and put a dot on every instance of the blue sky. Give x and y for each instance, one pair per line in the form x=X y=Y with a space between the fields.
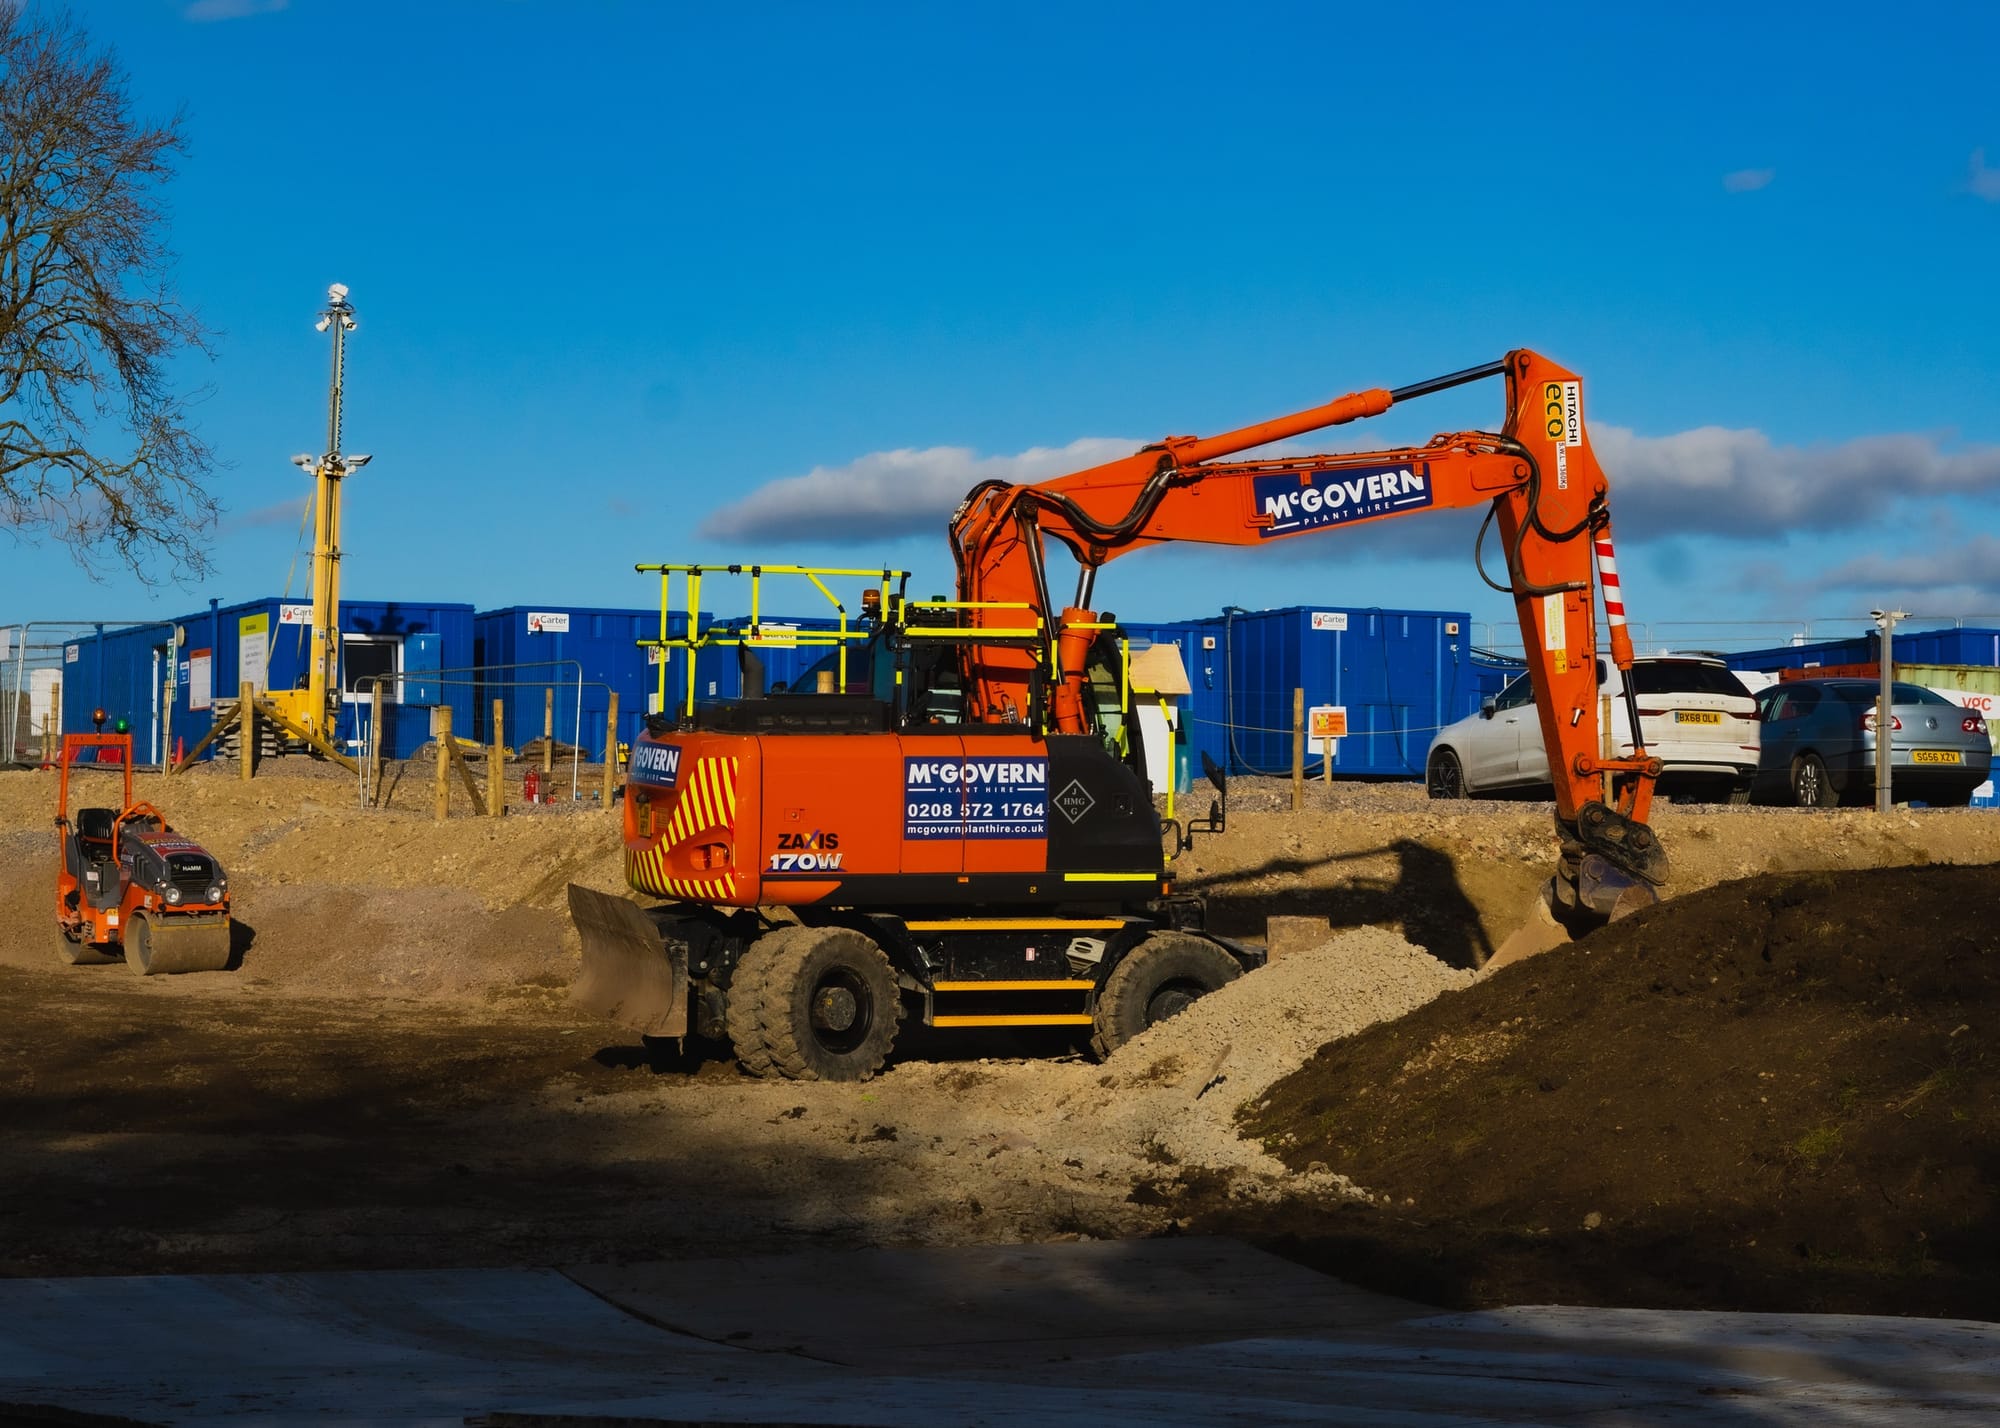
x=622 y=267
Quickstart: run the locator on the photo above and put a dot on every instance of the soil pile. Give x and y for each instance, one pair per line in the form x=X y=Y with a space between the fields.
x=1776 y=1094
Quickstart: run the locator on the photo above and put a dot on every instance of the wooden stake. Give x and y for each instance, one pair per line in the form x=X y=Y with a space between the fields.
x=442 y=719
x=549 y=729
x=1326 y=761
x=246 y=728
x=464 y=766
x=496 y=765
x=611 y=748
x=1298 y=749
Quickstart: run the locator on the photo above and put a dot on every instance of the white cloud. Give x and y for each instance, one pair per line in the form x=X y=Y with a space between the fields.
x=1969 y=569
x=1981 y=181
x=203 y=12
x=1740 y=484
x=1747 y=180
x=886 y=494
x=1710 y=481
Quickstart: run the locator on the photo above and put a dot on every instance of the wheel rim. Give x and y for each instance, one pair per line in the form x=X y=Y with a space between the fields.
x=1445 y=781
x=841 y=1011
x=1808 y=783
x=1171 y=1000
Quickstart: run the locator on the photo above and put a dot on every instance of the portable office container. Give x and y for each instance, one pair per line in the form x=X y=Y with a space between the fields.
x=1391 y=678
x=1957 y=645
x=580 y=654
x=166 y=679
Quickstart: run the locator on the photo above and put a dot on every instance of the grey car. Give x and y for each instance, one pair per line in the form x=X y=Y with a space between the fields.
x=1819 y=745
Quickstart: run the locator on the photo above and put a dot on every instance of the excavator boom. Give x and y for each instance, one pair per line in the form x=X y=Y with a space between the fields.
x=1548 y=502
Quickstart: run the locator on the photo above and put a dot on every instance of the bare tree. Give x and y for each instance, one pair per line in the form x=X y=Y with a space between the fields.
x=96 y=445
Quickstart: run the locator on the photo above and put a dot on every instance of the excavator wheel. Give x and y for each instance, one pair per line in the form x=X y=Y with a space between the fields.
x=155 y=948
x=77 y=953
x=814 y=1004
x=1157 y=979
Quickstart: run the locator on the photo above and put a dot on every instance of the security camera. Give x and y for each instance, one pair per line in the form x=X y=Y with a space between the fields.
x=337 y=292
x=305 y=460
x=355 y=463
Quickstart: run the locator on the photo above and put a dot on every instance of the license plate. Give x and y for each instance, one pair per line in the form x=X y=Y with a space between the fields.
x=1696 y=716
x=1934 y=756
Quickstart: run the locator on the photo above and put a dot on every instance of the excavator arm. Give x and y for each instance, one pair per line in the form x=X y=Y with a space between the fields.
x=1548 y=504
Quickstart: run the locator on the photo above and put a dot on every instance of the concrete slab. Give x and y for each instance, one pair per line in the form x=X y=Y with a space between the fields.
x=968 y=1332
x=993 y=1305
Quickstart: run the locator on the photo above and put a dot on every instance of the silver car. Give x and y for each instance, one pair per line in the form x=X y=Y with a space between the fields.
x=1819 y=745
x=1699 y=721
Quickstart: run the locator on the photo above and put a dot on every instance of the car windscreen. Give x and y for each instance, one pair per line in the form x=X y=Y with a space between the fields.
x=1685 y=677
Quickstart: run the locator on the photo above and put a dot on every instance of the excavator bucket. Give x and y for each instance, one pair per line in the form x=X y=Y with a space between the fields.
x=1610 y=891
x=162 y=946
x=1604 y=892
x=631 y=973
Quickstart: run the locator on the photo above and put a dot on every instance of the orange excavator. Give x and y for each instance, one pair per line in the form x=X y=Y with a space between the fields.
x=953 y=820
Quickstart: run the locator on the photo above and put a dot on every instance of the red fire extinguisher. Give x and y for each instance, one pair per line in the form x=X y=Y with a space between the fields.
x=531 y=785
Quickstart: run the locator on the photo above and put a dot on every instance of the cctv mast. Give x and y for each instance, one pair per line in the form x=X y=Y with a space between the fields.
x=316 y=707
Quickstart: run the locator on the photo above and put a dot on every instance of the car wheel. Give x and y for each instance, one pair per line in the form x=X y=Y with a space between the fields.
x=1444 y=778
x=1812 y=785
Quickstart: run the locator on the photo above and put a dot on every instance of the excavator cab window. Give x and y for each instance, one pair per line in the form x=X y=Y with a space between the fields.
x=871 y=669
x=1109 y=703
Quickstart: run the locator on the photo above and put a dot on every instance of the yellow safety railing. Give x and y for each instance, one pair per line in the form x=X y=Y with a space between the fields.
x=753 y=633
x=972 y=632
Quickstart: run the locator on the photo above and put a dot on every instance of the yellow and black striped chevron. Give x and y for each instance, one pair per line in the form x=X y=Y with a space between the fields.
x=705 y=806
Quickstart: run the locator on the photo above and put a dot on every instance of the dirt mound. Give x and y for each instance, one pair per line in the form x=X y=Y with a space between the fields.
x=1776 y=1094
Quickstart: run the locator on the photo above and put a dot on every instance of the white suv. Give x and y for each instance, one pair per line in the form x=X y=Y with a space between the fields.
x=1699 y=721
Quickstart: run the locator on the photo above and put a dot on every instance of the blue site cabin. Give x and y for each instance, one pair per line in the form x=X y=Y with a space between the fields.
x=422 y=653
x=1954 y=645
x=1392 y=677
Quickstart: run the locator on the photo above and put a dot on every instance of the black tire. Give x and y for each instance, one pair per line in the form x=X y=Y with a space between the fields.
x=75 y=953
x=743 y=1007
x=1812 y=785
x=1155 y=980
x=1444 y=776
x=826 y=1005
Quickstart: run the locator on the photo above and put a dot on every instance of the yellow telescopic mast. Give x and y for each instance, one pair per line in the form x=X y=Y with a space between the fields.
x=328 y=470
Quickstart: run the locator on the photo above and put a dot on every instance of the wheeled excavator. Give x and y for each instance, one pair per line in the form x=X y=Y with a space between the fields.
x=951 y=820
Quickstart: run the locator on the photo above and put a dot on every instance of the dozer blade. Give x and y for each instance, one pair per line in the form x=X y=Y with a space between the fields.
x=163 y=946
x=631 y=973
